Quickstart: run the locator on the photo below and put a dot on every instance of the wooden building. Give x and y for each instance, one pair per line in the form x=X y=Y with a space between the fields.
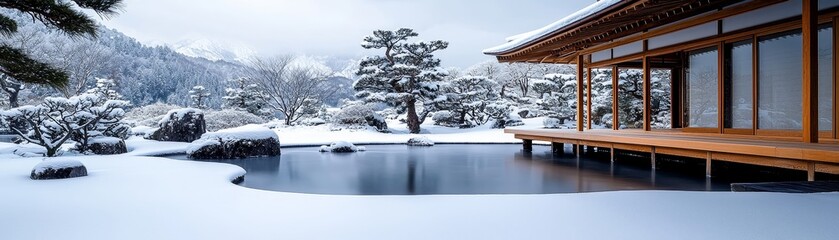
x=752 y=81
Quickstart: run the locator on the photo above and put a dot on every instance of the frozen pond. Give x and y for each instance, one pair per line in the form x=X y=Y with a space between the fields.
x=458 y=169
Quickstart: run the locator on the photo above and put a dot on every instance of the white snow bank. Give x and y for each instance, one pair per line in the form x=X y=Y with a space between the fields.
x=55 y=164
x=153 y=198
x=143 y=130
x=535 y=35
x=105 y=140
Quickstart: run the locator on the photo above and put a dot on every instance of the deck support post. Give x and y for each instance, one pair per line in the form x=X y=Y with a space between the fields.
x=557 y=148
x=810 y=80
x=811 y=171
x=612 y=154
x=574 y=149
x=708 y=165
x=580 y=73
x=652 y=157
x=527 y=145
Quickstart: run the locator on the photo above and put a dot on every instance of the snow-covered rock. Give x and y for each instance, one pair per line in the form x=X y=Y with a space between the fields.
x=107 y=146
x=342 y=147
x=241 y=142
x=552 y=123
x=420 y=142
x=181 y=125
x=58 y=169
x=377 y=121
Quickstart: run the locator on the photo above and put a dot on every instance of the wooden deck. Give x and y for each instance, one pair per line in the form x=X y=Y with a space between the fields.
x=810 y=157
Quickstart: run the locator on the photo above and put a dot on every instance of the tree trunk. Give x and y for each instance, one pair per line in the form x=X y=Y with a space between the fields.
x=413 y=119
x=462 y=119
x=13 y=102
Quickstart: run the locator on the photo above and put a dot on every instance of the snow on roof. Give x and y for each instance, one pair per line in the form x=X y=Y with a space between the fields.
x=520 y=40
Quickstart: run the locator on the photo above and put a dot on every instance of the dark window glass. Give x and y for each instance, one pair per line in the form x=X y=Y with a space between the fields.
x=702 y=89
x=779 y=81
x=738 y=85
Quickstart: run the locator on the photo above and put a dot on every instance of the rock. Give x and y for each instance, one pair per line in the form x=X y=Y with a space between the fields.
x=241 y=142
x=107 y=146
x=342 y=147
x=420 y=142
x=378 y=122
x=181 y=125
x=58 y=169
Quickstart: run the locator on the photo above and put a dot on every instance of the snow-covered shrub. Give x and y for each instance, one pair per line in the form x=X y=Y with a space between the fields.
x=552 y=123
x=240 y=142
x=341 y=147
x=181 y=125
x=198 y=96
x=149 y=115
x=420 y=142
x=105 y=89
x=352 y=115
x=443 y=118
x=501 y=111
x=58 y=169
x=229 y=118
x=57 y=120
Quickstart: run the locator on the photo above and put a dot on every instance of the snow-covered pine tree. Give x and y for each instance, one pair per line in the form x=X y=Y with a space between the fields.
x=59 y=14
x=465 y=98
x=106 y=89
x=12 y=88
x=558 y=96
x=199 y=96
x=404 y=74
x=244 y=96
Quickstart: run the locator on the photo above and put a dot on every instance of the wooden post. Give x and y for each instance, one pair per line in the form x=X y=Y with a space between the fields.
x=588 y=97
x=612 y=154
x=810 y=63
x=580 y=76
x=557 y=147
x=652 y=157
x=811 y=171
x=615 y=105
x=708 y=165
x=528 y=145
x=647 y=93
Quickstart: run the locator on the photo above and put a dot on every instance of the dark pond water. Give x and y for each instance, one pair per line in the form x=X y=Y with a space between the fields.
x=460 y=169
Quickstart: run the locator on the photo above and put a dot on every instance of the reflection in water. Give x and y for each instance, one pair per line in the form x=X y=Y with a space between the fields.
x=455 y=169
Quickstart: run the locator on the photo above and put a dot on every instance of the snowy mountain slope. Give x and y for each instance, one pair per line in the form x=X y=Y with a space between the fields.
x=214 y=50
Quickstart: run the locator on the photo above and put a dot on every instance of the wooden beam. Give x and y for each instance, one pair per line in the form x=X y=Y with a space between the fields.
x=615 y=109
x=580 y=71
x=527 y=145
x=810 y=64
x=588 y=97
x=647 y=91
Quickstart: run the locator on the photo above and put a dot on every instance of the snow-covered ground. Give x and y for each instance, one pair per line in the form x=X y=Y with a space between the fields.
x=155 y=198
x=136 y=197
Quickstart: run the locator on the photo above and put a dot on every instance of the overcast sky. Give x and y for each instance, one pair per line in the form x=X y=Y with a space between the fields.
x=336 y=27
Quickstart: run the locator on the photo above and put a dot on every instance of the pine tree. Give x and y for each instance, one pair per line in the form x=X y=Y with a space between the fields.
x=106 y=89
x=199 y=96
x=244 y=96
x=59 y=14
x=404 y=74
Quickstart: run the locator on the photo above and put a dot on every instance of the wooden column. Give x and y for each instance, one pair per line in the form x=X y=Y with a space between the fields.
x=588 y=97
x=811 y=171
x=558 y=147
x=647 y=93
x=708 y=165
x=810 y=64
x=527 y=145
x=580 y=76
x=615 y=114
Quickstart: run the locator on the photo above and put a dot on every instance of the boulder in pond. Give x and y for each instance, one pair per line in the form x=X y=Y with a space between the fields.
x=181 y=125
x=58 y=169
x=377 y=121
x=422 y=141
x=240 y=142
x=107 y=146
x=342 y=147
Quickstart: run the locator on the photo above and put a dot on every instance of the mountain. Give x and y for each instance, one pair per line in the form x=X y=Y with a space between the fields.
x=214 y=50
